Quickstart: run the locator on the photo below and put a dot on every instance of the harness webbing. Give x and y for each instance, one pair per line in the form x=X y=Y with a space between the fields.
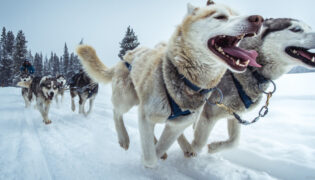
x=176 y=110
x=247 y=101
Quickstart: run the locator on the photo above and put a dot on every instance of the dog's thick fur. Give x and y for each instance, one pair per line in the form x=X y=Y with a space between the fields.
x=156 y=72
x=61 y=80
x=85 y=88
x=278 y=34
x=26 y=78
x=44 y=89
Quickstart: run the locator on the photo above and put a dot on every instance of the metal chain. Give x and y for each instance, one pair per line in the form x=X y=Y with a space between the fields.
x=262 y=112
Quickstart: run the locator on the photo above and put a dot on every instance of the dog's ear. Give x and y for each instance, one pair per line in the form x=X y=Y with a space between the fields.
x=191 y=10
x=210 y=2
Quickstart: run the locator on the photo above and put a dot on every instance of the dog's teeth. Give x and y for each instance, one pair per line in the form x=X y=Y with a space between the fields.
x=238 y=62
x=255 y=34
x=313 y=59
x=294 y=52
x=220 y=49
x=247 y=62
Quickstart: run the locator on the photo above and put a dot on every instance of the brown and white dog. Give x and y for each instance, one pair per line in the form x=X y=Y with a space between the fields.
x=202 y=47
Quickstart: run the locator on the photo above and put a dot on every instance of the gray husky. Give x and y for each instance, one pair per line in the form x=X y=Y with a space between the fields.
x=83 y=86
x=283 y=43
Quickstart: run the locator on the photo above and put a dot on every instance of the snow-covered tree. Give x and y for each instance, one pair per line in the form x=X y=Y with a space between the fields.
x=38 y=64
x=7 y=40
x=65 y=60
x=20 y=51
x=129 y=42
x=55 y=65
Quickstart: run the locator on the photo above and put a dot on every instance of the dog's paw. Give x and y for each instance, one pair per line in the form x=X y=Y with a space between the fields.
x=47 y=122
x=124 y=145
x=73 y=108
x=164 y=157
x=190 y=154
x=150 y=163
x=214 y=147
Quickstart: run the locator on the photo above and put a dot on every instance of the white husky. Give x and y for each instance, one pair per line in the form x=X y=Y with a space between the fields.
x=170 y=83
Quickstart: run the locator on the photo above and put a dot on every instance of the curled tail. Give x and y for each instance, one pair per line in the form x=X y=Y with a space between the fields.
x=93 y=66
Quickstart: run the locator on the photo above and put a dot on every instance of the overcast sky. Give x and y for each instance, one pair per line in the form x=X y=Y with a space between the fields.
x=102 y=23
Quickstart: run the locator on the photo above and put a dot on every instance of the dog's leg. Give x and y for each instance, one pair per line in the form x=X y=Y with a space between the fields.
x=146 y=129
x=201 y=133
x=234 y=129
x=72 y=94
x=27 y=102
x=123 y=137
x=90 y=105
x=81 y=104
x=43 y=110
x=169 y=135
x=46 y=109
x=164 y=157
x=185 y=146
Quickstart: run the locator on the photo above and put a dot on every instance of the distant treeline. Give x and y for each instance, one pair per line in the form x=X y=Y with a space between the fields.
x=13 y=52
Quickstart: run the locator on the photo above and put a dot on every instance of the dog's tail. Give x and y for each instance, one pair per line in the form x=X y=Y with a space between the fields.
x=93 y=65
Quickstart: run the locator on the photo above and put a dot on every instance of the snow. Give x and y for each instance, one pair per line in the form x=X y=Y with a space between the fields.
x=280 y=146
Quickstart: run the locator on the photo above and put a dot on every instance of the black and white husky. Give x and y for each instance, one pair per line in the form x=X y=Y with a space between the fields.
x=85 y=88
x=61 y=80
x=44 y=89
x=26 y=78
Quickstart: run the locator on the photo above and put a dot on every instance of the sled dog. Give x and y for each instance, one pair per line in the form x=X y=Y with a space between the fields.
x=61 y=87
x=44 y=89
x=81 y=85
x=26 y=78
x=170 y=83
x=283 y=44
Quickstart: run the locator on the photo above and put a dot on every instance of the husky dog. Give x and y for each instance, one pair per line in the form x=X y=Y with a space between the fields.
x=170 y=83
x=61 y=87
x=26 y=78
x=44 y=89
x=283 y=43
x=85 y=88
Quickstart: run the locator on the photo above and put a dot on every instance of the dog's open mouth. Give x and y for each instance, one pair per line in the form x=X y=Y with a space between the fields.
x=50 y=97
x=301 y=54
x=226 y=48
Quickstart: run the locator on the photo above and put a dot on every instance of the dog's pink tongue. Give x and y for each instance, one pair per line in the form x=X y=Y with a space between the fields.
x=305 y=54
x=243 y=54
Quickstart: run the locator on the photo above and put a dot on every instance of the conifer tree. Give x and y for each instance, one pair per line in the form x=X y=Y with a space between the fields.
x=129 y=42
x=65 y=60
x=19 y=52
x=38 y=64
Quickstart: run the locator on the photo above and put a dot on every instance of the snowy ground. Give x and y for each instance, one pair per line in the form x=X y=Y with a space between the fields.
x=281 y=146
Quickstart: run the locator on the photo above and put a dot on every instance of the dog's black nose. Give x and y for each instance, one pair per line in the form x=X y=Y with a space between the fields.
x=256 y=20
x=24 y=79
x=52 y=94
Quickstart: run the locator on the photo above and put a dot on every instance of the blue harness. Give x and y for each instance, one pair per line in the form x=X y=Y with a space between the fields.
x=247 y=101
x=176 y=110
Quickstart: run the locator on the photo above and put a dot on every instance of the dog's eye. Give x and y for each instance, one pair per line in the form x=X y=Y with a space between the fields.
x=296 y=29
x=55 y=87
x=48 y=86
x=221 y=17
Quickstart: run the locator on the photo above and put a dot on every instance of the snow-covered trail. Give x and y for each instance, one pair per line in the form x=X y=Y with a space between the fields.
x=281 y=146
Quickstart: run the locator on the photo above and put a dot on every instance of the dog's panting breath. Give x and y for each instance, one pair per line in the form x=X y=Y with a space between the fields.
x=226 y=48
x=302 y=54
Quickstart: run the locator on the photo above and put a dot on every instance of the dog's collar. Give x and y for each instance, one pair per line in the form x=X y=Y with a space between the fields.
x=194 y=87
x=247 y=101
x=259 y=77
